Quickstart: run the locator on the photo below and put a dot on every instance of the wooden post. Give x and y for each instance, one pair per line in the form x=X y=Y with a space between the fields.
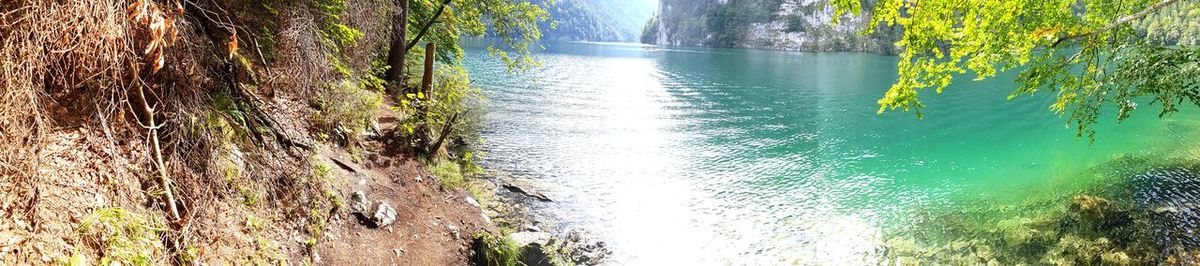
x=427 y=78
x=427 y=91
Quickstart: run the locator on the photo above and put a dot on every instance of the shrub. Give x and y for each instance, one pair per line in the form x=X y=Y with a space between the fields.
x=346 y=110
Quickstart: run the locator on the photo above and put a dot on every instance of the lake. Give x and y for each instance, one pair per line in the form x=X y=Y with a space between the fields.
x=679 y=156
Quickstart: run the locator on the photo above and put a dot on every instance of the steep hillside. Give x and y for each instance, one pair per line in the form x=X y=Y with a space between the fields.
x=163 y=132
x=804 y=25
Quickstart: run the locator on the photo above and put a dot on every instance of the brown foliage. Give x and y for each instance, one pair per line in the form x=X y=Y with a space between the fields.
x=56 y=48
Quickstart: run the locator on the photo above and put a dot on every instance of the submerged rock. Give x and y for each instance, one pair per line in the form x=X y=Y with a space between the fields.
x=1091 y=207
x=1116 y=258
x=526 y=192
x=583 y=249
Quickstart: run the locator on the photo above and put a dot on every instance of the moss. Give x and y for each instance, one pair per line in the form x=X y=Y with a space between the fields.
x=125 y=238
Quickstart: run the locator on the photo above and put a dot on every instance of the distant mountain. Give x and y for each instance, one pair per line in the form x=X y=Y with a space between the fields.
x=596 y=20
x=803 y=25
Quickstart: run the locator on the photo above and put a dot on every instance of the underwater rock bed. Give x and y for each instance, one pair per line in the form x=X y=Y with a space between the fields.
x=1145 y=215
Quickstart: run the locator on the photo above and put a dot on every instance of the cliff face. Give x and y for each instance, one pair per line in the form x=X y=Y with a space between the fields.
x=801 y=25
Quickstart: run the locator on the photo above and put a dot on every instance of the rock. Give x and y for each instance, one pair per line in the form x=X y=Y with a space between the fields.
x=454 y=231
x=581 y=249
x=471 y=201
x=531 y=228
x=358 y=202
x=1096 y=213
x=417 y=178
x=384 y=215
x=536 y=254
x=525 y=192
x=1091 y=207
x=526 y=238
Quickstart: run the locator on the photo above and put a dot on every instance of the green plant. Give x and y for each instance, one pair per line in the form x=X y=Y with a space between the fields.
x=124 y=237
x=497 y=250
x=452 y=95
x=449 y=172
x=345 y=109
x=1092 y=62
x=332 y=28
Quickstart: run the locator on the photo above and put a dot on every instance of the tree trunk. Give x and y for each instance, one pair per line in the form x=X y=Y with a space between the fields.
x=398 y=48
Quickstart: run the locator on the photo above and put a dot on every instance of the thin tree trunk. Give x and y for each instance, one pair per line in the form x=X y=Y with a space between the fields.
x=428 y=24
x=397 y=52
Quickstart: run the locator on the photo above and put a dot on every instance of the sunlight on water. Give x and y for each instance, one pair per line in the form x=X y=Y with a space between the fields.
x=685 y=157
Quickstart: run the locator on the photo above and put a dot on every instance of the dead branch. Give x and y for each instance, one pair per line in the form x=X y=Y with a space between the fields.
x=446 y=130
x=153 y=127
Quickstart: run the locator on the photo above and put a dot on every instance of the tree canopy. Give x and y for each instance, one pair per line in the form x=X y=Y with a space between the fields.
x=1086 y=52
x=514 y=22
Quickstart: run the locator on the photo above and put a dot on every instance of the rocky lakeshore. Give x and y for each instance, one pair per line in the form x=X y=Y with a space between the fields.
x=534 y=240
x=1141 y=212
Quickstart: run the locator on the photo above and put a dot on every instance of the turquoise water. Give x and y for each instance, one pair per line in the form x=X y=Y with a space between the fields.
x=701 y=156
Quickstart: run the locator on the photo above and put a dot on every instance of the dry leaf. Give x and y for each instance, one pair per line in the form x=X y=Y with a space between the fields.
x=233 y=44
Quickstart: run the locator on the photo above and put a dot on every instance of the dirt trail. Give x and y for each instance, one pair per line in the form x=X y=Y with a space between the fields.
x=434 y=226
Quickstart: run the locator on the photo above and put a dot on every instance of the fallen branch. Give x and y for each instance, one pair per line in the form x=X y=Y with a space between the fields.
x=253 y=103
x=153 y=127
x=445 y=132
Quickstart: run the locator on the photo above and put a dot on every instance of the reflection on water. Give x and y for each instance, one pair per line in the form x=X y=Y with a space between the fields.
x=760 y=157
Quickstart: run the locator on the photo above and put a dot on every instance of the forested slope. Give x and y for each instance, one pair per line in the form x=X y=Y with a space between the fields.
x=595 y=20
x=804 y=25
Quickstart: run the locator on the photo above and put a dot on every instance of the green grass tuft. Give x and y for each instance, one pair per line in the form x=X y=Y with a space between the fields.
x=497 y=250
x=126 y=238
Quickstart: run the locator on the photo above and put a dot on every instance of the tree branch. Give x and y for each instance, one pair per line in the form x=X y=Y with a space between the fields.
x=158 y=157
x=1120 y=21
x=428 y=24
